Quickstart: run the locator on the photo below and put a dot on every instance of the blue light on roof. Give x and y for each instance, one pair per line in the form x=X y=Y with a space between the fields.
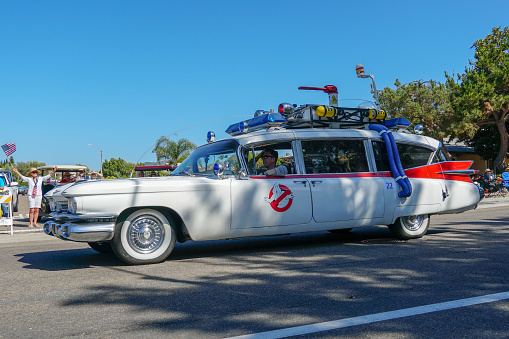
x=397 y=123
x=257 y=123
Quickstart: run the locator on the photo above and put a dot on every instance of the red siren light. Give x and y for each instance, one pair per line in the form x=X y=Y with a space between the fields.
x=326 y=88
x=285 y=108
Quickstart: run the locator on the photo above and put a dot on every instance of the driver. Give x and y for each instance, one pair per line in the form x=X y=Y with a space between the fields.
x=269 y=157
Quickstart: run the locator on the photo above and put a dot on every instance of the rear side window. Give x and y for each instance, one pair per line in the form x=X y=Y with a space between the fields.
x=414 y=156
x=410 y=155
x=381 y=158
x=334 y=156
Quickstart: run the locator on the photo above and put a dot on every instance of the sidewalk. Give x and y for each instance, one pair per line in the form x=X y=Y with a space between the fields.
x=21 y=225
x=494 y=202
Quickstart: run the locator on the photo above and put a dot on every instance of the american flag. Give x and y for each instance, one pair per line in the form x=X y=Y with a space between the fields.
x=9 y=148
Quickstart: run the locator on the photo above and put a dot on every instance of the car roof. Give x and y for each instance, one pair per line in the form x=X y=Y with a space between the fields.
x=64 y=168
x=321 y=133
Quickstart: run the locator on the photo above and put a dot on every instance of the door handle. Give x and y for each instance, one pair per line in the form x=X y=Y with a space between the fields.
x=301 y=182
x=314 y=182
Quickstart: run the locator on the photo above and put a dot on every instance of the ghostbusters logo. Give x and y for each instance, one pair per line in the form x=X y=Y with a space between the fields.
x=280 y=198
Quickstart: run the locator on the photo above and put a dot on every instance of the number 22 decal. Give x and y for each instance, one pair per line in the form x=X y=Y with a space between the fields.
x=389 y=185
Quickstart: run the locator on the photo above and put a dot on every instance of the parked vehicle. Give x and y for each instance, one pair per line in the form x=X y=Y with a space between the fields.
x=9 y=179
x=344 y=168
x=22 y=189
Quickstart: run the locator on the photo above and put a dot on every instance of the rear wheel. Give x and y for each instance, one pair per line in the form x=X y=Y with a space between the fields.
x=101 y=247
x=410 y=227
x=147 y=236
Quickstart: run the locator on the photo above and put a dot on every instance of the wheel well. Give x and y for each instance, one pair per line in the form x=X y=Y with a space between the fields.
x=182 y=234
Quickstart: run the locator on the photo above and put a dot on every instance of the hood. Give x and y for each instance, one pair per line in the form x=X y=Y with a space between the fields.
x=139 y=185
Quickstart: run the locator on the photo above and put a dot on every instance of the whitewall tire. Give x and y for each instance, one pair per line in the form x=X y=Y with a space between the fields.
x=147 y=236
x=410 y=227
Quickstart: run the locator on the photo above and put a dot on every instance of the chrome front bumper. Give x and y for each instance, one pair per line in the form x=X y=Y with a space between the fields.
x=81 y=228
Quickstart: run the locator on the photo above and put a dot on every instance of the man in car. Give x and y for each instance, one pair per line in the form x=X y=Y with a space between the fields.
x=269 y=158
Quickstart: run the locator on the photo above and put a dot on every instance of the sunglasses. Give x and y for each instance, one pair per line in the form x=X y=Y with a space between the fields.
x=267 y=156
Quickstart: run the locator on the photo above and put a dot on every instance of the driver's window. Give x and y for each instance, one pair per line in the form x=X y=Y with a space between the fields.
x=254 y=162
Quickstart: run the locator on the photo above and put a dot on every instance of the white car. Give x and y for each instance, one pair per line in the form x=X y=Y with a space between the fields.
x=343 y=171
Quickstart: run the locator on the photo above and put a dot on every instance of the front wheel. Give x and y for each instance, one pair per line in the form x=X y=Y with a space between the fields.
x=145 y=237
x=410 y=227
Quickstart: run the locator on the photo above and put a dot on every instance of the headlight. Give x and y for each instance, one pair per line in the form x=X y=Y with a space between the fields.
x=52 y=205
x=72 y=205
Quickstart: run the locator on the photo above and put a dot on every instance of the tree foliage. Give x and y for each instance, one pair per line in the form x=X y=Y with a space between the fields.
x=480 y=96
x=117 y=168
x=421 y=102
x=23 y=167
x=486 y=141
x=173 y=151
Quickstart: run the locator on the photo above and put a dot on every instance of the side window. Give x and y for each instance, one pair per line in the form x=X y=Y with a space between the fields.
x=410 y=155
x=255 y=164
x=334 y=156
x=381 y=158
x=414 y=156
x=439 y=157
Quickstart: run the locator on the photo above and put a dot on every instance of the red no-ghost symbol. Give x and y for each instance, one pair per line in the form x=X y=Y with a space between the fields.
x=275 y=203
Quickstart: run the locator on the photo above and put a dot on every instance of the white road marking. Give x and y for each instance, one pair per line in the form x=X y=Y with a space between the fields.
x=372 y=318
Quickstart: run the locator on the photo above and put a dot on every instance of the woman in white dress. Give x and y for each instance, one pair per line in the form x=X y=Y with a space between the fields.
x=34 y=191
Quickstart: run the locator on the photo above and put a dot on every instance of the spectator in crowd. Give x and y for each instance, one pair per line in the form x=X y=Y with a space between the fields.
x=488 y=175
x=66 y=178
x=80 y=176
x=94 y=175
x=34 y=192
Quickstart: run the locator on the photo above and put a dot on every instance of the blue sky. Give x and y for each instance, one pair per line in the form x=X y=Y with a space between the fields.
x=120 y=74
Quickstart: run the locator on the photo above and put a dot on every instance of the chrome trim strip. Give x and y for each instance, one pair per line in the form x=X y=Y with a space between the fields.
x=460 y=172
x=77 y=218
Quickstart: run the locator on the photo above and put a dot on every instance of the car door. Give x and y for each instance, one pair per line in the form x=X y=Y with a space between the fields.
x=342 y=186
x=262 y=201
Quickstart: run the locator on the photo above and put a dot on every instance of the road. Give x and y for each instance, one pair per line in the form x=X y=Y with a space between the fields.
x=56 y=289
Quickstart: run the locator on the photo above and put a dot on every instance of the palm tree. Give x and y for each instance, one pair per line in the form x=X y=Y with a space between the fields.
x=173 y=151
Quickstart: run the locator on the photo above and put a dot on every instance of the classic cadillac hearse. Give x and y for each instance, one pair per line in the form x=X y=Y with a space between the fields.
x=345 y=168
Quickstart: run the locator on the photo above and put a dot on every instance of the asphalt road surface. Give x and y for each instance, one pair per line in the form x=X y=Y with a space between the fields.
x=364 y=284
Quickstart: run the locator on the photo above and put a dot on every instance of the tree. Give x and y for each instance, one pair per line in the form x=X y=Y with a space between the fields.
x=421 y=102
x=117 y=168
x=486 y=142
x=173 y=151
x=480 y=96
x=24 y=167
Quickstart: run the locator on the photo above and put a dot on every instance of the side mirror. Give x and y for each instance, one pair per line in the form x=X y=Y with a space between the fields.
x=218 y=169
x=242 y=173
x=14 y=183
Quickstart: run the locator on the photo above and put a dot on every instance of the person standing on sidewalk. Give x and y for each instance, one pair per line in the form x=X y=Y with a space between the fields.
x=34 y=191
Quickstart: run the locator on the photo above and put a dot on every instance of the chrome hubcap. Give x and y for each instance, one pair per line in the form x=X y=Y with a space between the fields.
x=412 y=222
x=145 y=234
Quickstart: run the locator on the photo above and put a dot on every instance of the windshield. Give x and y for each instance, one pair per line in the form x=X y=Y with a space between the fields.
x=202 y=160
